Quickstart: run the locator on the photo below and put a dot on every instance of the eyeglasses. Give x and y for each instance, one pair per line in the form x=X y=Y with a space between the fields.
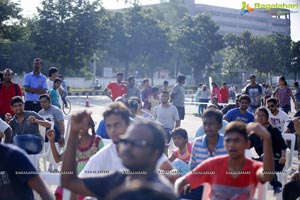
x=134 y=143
x=271 y=106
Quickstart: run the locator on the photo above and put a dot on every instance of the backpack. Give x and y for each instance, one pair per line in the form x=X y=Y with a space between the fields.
x=16 y=88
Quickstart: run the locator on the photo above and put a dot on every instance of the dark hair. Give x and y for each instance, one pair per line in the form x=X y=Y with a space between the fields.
x=296 y=84
x=245 y=97
x=119 y=74
x=52 y=70
x=217 y=114
x=92 y=126
x=282 y=78
x=252 y=76
x=154 y=89
x=180 y=131
x=237 y=127
x=16 y=99
x=133 y=106
x=165 y=92
x=38 y=59
x=224 y=83
x=137 y=99
x=117 y=108
x=57 y=80
x=166 y=82
x=123 y=100
x=47 y=96
x=157 y=132
x=8 y=69
x=272 y=100
x=264 y=110
x=130 y=78
x=145 y=80
x=180 y=78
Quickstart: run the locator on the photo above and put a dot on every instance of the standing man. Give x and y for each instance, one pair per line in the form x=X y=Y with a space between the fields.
x=177 y=96
x=224 y=93
x=241 y=113
x=166 y=114
x=297 y=94
x=117 y=89
x=254 y=91
x=35 y=85
x=132 y=90
x=146 y=94
x=8 y=89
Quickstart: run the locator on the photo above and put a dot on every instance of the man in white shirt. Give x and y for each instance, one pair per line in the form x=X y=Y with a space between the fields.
x=277 y=117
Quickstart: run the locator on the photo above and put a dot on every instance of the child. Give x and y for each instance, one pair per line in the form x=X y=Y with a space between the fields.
x=154 y=100
x=87 y=146
x=181 y=156
x=54 y=94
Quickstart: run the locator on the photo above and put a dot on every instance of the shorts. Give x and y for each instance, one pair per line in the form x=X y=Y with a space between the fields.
x=181 y=112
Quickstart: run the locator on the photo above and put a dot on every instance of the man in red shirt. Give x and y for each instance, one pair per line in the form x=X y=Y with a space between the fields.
x=224 y=93
x=8 y=89
x=117 y=88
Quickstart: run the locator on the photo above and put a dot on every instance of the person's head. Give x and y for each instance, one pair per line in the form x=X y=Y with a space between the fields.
x=204 y=87
x=212 y=121
x=137 y=190
x=116 y=117
x=131 y=81
x=45 y=101
x=214 y=100
x=37 y=65
x=200 y=85
x=262 y=116
x=17 y=105
x=214 y=84
x=296 y=84
x=138 y=100
x=56 y=83
x=224 y=85
x=140 y=152
x=155 y=91
x=166 y=83
x=123 y=100
x=244 y=101
x=282 y=80
x=180 y=137
x=164 y=97
x=119 y=77
x=7 y=75
x=52 y=72
x=146 y=83
x=236 y=139
x=252 y=78
x=133 y=106
x=181 y=79
x=272 y=104
x=237 y=103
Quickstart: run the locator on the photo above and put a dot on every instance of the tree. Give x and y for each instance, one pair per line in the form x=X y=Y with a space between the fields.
x=295 y=57
x=198 y=40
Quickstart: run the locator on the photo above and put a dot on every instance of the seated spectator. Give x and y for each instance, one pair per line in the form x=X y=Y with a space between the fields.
x=139 y=153
x=277 y=117
x=5 y=132
x=214 y=101
x=232 y=175
x=140 y=111
x=241 y=113
x=25 y=126
x=231 y=106
x=180 y=157
x=15 y=184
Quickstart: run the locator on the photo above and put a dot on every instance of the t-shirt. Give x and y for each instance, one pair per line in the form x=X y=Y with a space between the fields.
x=6 y=94
x=54 y=94
x=117 y=90
x=107 y=161
x=54 y=114
x=13 y=183
x=26 y=127
x=223 y=186
x=102 y=186
x=186 y=156
x=254 y=93
x=178 y=95
x=279 y=120
x=236 y=115
x=133 y=92
x=224 y=95
x=167 y=116
x=283 y=96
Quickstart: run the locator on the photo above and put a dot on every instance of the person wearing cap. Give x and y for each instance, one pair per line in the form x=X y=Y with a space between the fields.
x=8 y=89
x=254 y=91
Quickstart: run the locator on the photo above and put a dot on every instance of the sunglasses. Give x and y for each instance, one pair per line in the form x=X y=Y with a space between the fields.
x=134 y=143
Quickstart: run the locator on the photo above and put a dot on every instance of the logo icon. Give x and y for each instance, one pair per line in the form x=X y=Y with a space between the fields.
x=246 y=8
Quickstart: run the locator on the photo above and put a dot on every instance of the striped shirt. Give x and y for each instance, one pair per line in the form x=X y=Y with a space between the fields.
x=200 y=151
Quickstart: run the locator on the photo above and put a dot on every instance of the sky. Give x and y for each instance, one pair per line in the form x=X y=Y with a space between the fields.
x=29 y=8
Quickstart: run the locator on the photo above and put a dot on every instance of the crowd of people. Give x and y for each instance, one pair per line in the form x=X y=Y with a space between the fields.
x=142 y=126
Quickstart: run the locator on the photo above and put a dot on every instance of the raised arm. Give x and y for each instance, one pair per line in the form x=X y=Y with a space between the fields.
x=69 y=178
x=51 y=137
x=37 y=184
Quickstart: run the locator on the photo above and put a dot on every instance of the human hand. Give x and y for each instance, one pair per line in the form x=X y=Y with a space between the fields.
x=31 y=119
x=258 y=129
x=80 y=123
x=1 y=135
x=61 y=141
x=50 y=135
x=282 y=160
